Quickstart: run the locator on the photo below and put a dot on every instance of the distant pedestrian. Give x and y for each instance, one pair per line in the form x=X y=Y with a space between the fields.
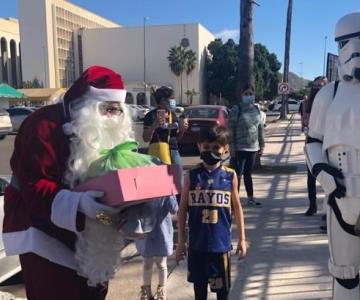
x=246 y=139
x=318 y=83
x=304 y=121
x=210 y=197
x=162 y=125
x=156 y=247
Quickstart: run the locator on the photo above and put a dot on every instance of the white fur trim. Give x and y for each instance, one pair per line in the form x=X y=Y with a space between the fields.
x=35 y=241
x=64 y=209
x=106 y=94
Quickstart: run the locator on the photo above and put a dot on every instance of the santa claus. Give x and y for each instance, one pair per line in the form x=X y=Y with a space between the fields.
x=67 y=241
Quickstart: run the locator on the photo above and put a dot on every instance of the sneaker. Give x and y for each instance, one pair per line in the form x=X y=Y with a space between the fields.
x=252 y=202
x=161 y=292
x=145 y=293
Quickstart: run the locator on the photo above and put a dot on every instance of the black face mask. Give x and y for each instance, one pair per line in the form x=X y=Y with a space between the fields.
x=210 y=158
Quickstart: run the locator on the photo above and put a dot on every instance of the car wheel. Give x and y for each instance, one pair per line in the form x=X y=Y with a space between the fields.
x=2 y=136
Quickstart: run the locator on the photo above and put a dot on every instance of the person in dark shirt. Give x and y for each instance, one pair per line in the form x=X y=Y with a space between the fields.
x=162 y=124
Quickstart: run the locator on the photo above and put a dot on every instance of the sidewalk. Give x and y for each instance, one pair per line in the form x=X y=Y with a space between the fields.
x=287 y=255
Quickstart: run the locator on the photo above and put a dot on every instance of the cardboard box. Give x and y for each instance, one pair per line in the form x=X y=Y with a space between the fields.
x=135 y=184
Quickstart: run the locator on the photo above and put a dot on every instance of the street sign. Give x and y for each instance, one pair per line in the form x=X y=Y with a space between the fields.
x=283 y=88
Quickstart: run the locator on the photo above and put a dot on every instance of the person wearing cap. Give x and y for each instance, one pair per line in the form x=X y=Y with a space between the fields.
x=333 y=156
x=49 y=226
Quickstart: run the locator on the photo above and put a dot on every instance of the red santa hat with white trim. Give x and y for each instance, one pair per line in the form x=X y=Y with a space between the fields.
x=97 y=83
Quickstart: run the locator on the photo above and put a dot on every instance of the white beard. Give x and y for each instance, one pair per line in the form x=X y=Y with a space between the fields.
x=98 y=252
x=98 y=247
x=93 y=133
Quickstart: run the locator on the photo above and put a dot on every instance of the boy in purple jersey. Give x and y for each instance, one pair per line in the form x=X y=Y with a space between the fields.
x=209 y=198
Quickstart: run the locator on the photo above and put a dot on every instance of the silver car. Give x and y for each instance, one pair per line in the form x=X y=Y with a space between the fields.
x=5 y=124
x=10 y=265
x=18 y=115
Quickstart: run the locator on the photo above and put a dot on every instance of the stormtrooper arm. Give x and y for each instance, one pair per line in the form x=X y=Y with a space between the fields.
x=318 y=163
x=316 y=157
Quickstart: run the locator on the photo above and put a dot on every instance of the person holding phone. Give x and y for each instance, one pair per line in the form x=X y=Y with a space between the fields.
x=162 y=124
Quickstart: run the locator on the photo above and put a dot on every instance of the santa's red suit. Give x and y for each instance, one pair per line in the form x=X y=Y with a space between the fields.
x=42 y=216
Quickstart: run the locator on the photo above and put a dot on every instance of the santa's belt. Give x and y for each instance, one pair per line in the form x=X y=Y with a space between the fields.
x=14 y=183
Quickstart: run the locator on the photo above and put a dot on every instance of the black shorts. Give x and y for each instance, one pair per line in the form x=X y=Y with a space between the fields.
x=213 y=268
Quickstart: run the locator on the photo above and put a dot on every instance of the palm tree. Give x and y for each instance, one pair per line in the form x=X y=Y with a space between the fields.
x=190 y=65
x=177 y=64
x=246 y=46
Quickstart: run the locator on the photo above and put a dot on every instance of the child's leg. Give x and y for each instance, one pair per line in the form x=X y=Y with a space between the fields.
x=161 y=263
x=147 y=270
x=200 y=290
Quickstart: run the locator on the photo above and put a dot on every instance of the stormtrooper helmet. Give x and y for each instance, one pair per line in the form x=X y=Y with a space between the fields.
x=347 y=35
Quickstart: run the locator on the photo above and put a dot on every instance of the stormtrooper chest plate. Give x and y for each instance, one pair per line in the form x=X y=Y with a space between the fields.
x=342 y=125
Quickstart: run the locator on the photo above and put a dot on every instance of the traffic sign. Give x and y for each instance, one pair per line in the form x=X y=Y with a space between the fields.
x=283 y=88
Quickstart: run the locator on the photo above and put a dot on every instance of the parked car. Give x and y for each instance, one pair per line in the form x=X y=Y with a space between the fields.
x=138 y=112
x=293 y=105
x=18 y=115
x=201 y=116
x=10 y=265
x=5 y=124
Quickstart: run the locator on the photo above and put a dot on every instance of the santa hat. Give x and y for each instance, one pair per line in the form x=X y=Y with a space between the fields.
x=97 y=83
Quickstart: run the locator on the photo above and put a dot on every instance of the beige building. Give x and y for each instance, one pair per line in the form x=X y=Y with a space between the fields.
x=47 y=39
x=140 y=54
x=59 y=40
x=10 y=63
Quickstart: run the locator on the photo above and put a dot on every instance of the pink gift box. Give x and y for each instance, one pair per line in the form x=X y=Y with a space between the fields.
x=135 y=184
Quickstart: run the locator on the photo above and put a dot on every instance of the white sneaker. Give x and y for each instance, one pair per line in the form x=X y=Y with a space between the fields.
x=161 y=293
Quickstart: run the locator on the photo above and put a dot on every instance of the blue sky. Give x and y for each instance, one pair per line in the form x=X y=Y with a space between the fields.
x=312 y=21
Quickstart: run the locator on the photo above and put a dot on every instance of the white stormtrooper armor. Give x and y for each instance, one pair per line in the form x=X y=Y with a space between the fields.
x=333 y=155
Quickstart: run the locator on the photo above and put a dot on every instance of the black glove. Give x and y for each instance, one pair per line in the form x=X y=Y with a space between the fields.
x=329 y=176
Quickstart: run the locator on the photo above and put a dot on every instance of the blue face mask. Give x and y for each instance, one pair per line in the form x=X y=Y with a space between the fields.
x=172 y=104
x=246 y=100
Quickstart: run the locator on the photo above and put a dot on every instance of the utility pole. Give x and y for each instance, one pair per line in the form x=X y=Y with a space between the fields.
x=301 y=75
x=284 y=105
x=325 y=39
x=145 y=100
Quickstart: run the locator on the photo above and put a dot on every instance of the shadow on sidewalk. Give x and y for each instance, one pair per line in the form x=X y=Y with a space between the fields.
x=287 y=257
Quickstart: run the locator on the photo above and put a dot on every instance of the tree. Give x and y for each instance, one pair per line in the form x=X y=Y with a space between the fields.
x=190 y=95
x=266 y=67
x=190 y=64
x=31 y=84
x=222 y=69
x=245 y=73
x=180 y=61
x=177 y=64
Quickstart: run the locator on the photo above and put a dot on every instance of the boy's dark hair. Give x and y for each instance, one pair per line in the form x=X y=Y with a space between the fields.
x=163 y=92
x=217 y=134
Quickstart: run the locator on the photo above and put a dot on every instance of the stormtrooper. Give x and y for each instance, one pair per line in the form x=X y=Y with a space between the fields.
x=333 y=155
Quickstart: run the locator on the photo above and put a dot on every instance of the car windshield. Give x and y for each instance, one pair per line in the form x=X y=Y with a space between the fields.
x=203 y=112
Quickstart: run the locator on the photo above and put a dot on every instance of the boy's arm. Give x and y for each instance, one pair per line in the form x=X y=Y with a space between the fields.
x=180 y=249
x=239 y=217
